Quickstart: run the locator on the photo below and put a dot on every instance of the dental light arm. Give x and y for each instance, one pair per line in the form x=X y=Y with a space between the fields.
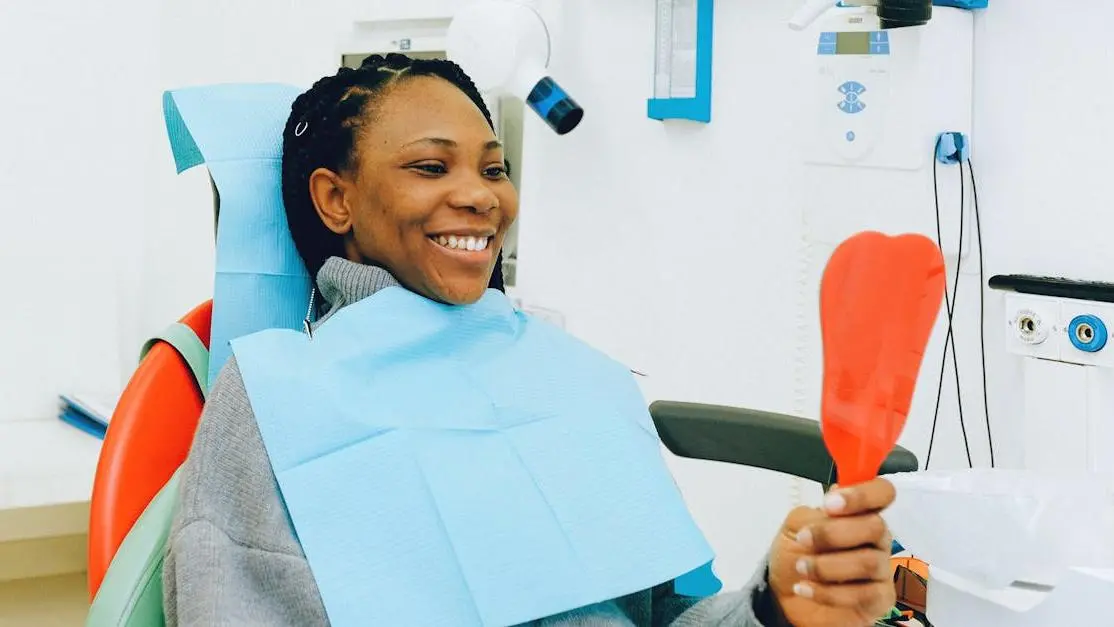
x=893 y=13
x=504 y=46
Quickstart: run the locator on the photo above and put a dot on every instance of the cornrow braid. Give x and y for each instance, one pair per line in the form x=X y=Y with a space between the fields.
x=322 y=130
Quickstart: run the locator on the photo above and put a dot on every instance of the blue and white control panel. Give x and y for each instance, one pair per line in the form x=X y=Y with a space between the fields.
x=852 y=90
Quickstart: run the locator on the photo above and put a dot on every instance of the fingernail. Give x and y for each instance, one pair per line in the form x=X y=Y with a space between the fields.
x=834 y=502
x=802 y=567
x=804 y=538
x=802 y=589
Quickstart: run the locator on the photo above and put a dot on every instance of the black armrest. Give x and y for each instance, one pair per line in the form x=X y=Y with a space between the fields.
x=749 y=437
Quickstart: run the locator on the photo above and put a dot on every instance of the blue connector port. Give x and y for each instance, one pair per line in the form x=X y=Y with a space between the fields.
x=1087 y=333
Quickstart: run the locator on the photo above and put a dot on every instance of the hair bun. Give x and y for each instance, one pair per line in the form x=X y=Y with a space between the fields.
x=397 y=61
x=372 y=62
x=393 y=61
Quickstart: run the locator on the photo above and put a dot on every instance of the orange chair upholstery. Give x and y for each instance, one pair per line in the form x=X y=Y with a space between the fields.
x=147 y=440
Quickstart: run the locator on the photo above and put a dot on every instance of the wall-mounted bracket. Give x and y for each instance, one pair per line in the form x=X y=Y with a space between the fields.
x=683 y=63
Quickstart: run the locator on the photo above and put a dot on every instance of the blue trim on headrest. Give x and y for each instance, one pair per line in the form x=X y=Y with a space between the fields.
x=185 y=150
x=236 y=130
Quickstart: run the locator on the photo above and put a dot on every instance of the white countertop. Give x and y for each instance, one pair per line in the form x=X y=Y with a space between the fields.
x=46 y=478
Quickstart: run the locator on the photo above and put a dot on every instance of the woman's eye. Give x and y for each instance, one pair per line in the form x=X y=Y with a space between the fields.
x=430 y=168
x=495 y=172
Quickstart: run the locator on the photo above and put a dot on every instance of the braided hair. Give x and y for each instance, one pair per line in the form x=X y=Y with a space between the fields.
x=322 y=130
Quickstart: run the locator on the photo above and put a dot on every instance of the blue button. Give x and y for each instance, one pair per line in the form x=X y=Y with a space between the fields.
x=826 y=49
x=879 y=48
x=827 y=38
x=851 y=108
x=851 y=87
x=850 y=136
x=852 y=97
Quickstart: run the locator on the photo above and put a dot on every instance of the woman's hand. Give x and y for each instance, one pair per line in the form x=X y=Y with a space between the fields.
x=830 y=567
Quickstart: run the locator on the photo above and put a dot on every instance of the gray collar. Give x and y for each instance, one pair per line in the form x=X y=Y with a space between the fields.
x=342 y=282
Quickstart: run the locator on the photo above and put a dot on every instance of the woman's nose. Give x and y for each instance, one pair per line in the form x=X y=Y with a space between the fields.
x=475 y=196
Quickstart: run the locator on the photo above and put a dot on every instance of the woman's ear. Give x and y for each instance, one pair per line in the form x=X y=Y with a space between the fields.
x=329 y=193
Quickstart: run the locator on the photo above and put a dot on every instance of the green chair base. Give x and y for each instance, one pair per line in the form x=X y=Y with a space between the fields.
x=131 y=592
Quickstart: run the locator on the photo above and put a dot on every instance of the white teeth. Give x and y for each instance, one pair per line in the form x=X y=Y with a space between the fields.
x=462 y=242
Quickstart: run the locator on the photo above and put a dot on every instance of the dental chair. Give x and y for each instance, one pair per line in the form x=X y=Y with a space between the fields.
x=136 y=486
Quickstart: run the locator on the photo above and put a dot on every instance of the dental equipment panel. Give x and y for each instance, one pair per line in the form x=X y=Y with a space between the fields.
x=879 y=95
x=504 y=45
x=1061 y=328
x=874 y=101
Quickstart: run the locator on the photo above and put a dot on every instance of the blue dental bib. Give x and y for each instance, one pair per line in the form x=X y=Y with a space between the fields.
x=463 y=466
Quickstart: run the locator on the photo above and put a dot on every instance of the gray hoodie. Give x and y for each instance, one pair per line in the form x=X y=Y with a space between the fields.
x=234 y=560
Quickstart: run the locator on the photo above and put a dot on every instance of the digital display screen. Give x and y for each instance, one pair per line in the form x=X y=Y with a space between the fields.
x=852 y=43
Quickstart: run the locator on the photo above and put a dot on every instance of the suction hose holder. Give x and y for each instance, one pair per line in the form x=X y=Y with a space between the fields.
x=504 y=45
x=952 y=147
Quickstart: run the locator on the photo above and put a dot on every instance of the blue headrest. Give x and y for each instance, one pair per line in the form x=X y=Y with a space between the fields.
x=236 y=130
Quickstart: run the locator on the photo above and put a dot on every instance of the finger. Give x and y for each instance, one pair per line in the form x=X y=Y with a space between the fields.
x=841 y=534
x=800 y=518
x=860 y=565
x=872 y=496
x=869 y=600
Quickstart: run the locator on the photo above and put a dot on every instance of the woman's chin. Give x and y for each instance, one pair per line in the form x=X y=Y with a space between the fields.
x=459 y=292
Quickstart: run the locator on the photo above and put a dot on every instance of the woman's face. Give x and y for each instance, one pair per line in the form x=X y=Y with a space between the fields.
x=429 y=198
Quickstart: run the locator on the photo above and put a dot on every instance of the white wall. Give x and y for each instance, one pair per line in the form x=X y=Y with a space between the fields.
x=76 y=113
x=676 y=248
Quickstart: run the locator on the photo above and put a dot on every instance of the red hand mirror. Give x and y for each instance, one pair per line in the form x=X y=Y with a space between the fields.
x=879 y=299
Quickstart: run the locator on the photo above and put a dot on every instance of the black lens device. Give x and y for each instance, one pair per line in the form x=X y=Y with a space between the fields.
x=902 y=13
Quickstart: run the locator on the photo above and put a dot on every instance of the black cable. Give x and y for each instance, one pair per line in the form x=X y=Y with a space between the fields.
x=949 y=302
x=951 y=317
x=948 y=337
x=982 y=310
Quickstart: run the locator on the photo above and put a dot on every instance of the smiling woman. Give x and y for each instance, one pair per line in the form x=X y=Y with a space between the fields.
x=426 y=197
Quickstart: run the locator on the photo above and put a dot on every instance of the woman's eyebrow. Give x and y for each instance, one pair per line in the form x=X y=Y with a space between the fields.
x=449 y=143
